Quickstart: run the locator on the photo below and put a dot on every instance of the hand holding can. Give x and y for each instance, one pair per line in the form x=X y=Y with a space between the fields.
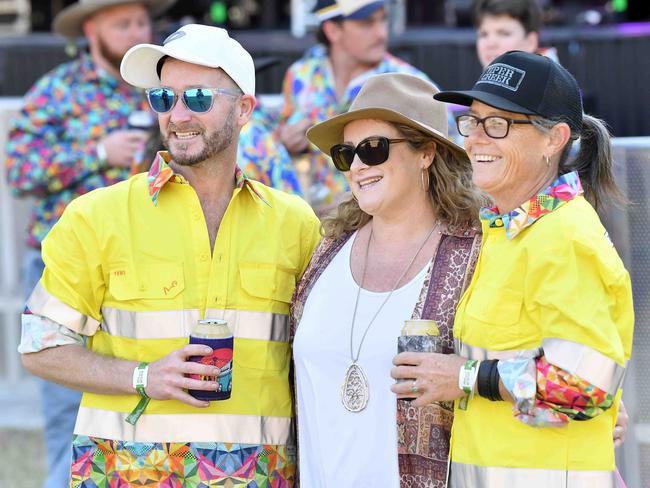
x=419 y=335
x=215 y=334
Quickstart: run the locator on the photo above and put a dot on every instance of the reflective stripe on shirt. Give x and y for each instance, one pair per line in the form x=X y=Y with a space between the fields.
x=197 y=427
x=471 y=476
x=585 y=362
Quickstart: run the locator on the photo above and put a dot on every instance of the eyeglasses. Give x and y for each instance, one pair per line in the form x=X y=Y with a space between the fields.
x=198 y=100
x=371 y=151
x=494 y=126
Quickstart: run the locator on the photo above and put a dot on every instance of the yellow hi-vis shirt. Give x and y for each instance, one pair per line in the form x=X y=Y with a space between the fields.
x=558 y=284
x=135 y=277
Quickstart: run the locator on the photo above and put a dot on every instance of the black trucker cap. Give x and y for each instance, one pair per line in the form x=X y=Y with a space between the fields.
x=525 y=83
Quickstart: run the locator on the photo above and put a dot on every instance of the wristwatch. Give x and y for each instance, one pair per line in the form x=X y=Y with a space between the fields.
x=101 y=153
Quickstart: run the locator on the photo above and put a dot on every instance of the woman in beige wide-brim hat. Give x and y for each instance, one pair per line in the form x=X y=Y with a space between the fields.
x=399 y=248
x=69 y=21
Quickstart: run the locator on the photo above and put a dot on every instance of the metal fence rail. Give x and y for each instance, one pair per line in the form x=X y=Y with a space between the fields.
x=630 y=230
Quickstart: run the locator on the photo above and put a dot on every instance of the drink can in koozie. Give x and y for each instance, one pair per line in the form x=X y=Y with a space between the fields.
x=419 y=335
x=216 y=334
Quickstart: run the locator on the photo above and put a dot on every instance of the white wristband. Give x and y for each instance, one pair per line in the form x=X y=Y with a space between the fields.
x=101 y=153
x=140 y=374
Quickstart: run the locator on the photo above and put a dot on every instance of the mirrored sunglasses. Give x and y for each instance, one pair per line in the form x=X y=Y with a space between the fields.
x=371 y=151
x=198 y=100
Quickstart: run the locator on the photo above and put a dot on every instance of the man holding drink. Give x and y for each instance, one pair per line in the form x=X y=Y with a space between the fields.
x=135 y=266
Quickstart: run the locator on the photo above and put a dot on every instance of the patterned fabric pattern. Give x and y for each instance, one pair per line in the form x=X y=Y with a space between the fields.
x=423 y=433
x=263 y=157
x=40 y=333
x=160 y=173
x=558 y=396
x=309 y=93
x=561 y=191
x=102 y=463
x=51 y=151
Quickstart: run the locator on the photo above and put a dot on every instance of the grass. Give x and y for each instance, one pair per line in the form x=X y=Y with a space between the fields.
x=23 y=464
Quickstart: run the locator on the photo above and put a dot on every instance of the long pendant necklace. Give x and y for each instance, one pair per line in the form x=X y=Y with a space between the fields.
x=355 y=392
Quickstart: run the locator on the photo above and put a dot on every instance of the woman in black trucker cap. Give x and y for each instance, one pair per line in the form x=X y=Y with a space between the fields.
x=546 y=324
x=400 y=248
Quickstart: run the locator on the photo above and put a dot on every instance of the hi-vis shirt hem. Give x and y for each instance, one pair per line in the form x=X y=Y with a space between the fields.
x=200 y=427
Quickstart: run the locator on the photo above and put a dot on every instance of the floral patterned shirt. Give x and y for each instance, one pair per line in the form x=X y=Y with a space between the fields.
x=263 y=157
x=309 y=93
x=52 y=147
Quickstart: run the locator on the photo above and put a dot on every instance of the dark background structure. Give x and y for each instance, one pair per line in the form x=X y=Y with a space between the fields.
x=611 y=64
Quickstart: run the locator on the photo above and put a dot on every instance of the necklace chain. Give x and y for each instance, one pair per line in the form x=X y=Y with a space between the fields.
x=363 y=276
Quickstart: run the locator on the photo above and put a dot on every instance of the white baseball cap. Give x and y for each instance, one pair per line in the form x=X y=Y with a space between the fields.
x=193 y=43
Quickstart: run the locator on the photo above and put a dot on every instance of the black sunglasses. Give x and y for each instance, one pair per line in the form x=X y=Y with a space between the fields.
x=371 y=151
x=198 y=100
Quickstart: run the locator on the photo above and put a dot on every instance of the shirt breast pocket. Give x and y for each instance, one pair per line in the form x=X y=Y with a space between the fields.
x=267 y=282
x=147 y=282
x=498 y=309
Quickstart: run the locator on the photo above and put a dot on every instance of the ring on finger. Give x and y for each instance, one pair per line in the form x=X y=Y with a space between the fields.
x=414 y=387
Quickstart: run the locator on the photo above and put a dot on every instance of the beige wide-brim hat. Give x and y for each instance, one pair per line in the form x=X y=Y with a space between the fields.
x=392 y=97
x=69 y=21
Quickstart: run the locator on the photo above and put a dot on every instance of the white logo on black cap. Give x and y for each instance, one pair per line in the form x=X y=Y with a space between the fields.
x=503 y=75
x=172 y=37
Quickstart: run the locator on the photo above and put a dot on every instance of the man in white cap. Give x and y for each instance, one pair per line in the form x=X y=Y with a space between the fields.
x=353 y=45
x=133 y=267
x=71 y=137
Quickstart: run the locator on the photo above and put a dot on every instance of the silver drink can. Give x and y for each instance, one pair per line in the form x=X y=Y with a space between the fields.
x=420 y=336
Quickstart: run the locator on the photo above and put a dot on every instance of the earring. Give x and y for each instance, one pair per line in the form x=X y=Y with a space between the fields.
x=425 y=179
x=547 y=160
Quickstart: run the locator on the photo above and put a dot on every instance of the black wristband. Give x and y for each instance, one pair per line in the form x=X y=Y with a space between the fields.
x=495 y=396
x=483 y=378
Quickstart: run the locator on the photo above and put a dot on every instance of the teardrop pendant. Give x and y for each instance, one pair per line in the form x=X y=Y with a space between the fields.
x=354 y=391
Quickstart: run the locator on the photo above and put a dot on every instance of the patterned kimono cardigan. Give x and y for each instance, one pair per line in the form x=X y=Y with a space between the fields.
x=422 y=433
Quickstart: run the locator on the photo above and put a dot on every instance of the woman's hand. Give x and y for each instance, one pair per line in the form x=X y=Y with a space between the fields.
x=434 y=377
x=621 y=425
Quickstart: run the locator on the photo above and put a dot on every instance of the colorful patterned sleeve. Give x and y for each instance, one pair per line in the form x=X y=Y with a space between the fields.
x=42 y=157
x=265 y=159
x=40 y=333
x=546 y=395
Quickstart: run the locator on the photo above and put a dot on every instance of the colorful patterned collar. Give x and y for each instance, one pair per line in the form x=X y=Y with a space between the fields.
x=561 y=191
x=161 y=172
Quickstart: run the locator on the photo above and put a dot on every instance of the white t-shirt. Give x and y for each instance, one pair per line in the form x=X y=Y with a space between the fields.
x=339 y=448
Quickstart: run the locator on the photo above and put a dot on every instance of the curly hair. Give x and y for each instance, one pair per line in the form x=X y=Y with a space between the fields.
x=456 y=201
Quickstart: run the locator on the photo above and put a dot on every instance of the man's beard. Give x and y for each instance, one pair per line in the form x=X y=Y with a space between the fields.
x=213 y=143
x=113 y=58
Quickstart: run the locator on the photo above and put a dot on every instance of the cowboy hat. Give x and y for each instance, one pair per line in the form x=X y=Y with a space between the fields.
x=392 y=97
x=69 y=21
